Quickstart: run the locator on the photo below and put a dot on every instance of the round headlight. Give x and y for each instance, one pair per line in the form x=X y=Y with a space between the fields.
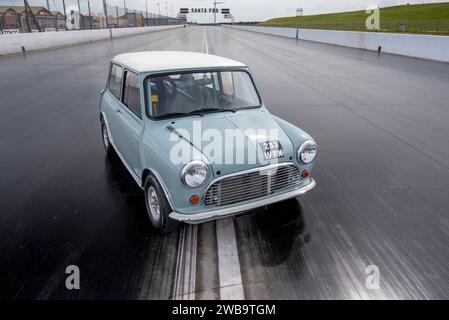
x=194 y=174
x=307 y=151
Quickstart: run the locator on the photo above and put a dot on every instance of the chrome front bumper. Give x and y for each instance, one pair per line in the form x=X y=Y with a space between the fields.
x=223 y=212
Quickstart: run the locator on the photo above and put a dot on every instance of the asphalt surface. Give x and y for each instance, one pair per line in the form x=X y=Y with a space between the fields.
x=382 y=124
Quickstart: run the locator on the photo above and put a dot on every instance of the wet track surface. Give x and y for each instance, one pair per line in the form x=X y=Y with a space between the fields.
x=382 y=124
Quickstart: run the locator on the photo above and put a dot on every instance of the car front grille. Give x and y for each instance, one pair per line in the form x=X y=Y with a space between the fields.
x=251 y=185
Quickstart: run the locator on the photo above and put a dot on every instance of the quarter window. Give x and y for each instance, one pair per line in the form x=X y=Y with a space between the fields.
x=131 y=96
x=115 y=80
x=243 y=89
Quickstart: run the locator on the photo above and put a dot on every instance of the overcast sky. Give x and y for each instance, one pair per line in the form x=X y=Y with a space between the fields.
x=242 y=10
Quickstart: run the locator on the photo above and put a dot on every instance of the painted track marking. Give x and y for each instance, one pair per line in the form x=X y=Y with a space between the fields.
x=231 y=286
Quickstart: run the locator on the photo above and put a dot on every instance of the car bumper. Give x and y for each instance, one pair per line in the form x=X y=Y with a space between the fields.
x=223 y=212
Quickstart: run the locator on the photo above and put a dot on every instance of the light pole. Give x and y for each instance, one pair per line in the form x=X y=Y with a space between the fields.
x=105 y=9
x=90 y=14
x=215 y=10
x=125 y=15
x=65 y=14
x=166 y=12
x=28 y=17
x=146 y=9
x=81 y=17
x=159 y=12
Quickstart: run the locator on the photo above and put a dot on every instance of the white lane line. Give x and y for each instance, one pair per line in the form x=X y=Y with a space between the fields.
x=205 y=42
x=202 y=41
x=231 y=286
x=185 y=274
x=178 y=272
x=187 y=246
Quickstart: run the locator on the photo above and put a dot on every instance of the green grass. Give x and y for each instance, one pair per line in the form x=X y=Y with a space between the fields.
x=418 y=12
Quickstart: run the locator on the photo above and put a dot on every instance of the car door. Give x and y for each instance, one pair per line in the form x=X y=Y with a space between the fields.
x=111 y=101
x=129 y=122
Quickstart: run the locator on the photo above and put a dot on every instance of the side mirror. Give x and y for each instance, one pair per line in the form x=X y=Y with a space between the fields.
x=102 y=91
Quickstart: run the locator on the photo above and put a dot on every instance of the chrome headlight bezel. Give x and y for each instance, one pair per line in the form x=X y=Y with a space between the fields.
x=303 y=147
x=188 y=168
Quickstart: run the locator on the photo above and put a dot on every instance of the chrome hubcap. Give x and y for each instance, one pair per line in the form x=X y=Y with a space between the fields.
x=153 y=204
x=105 y=137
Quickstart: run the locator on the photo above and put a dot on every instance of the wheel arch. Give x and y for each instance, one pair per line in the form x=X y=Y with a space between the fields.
x=148 y=171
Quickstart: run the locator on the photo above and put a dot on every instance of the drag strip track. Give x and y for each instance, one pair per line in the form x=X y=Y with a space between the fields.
x=62 y=201
x=226 y=260
x=382 y=196
x=379 y=121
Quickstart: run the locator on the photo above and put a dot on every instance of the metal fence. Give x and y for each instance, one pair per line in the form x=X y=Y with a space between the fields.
x=410 y=26
x=85 y=15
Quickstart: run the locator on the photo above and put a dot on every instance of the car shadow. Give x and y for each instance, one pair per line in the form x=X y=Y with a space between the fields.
x=125 y=192
x=282 y=228
x=118 y=176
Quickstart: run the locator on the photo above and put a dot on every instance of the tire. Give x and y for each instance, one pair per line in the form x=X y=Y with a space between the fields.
x=105 y=139
x=158 y=207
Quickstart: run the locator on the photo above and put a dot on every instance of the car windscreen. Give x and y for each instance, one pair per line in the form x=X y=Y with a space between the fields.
x=181 y=94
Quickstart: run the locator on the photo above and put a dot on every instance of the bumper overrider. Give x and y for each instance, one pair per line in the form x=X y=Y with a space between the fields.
x=253 y=204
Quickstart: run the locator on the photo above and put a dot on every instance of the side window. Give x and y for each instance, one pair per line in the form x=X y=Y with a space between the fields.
x=115 y=80
x=131 y=95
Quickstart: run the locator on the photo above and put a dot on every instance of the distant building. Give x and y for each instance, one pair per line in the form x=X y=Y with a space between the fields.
x=9 y=18
x=131 y=19
x=15 y=18
x=60 y=20
x=98 y=21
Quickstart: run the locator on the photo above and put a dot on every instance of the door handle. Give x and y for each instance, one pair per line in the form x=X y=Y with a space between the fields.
x=117 y=109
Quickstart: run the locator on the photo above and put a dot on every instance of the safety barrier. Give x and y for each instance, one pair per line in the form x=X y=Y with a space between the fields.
x=25 y=42
x=411 y=45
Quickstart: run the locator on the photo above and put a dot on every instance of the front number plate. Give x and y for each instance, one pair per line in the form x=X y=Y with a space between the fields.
x=272 y=150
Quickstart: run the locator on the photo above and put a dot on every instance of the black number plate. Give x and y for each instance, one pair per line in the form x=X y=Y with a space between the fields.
x=272 y=149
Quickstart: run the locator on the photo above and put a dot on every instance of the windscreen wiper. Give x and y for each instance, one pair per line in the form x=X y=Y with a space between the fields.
x=204 y=110
x=177 y=114
x=198 y=112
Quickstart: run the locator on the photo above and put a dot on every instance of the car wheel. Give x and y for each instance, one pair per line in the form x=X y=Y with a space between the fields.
x=105 y=138
x=158 y=207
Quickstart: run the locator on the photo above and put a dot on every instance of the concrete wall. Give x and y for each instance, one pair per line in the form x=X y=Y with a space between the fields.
x=13 y=43
x=411 y=45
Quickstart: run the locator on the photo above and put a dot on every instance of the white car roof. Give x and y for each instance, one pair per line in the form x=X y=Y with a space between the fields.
x=172 y=60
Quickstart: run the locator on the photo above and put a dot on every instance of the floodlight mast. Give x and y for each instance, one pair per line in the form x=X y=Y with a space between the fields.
x=215 y=10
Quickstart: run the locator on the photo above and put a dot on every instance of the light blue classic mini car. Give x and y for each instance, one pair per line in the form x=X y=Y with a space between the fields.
x=193 y=132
